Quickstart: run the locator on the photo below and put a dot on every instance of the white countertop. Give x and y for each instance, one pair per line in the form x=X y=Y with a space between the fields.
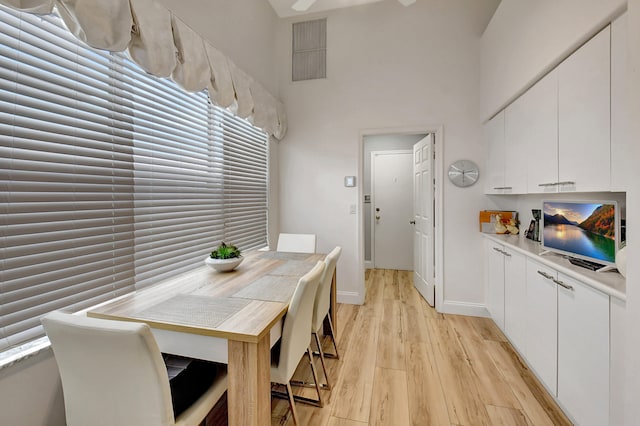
x=609 y=282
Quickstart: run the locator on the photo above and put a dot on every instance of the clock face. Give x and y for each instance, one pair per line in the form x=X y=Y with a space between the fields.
x=463 y=173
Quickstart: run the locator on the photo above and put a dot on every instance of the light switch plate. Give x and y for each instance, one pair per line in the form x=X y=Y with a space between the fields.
x=349 y=181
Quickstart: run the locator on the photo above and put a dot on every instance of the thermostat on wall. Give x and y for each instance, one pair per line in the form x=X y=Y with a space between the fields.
x=349 y=181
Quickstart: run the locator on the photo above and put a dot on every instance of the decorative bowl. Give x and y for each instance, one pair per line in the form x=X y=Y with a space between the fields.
x=223 y=265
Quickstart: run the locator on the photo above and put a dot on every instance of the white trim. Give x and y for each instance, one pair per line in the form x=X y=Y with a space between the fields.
x=368 y=264
x=464 y=308
x=350 y=297
x=438 y=131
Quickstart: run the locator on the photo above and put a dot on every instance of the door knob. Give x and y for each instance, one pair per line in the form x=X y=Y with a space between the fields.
x=412 y=222
x=377 y=217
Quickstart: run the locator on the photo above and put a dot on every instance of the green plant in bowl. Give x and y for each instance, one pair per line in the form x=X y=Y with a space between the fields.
x=225 y=251
x=225 y=258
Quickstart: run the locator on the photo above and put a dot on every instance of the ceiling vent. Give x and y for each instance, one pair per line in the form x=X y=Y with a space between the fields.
x=309 y=53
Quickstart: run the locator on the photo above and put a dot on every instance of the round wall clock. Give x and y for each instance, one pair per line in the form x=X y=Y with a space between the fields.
x=463 y=173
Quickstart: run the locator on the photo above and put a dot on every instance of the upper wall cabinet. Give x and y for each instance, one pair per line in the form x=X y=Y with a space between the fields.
x=515 y=146
x=534 y=120
x=584 y=124
x=620 y=120
x=494 y=139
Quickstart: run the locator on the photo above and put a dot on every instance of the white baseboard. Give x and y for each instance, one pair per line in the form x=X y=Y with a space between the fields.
x=368 y=264
x=350 y=297
x=464 y=308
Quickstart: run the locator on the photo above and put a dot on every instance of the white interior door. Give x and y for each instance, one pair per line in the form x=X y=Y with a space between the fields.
x=423 y=210
x=392 y=210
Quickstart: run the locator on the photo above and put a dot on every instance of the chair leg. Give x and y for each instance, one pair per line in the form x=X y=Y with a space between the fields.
x=315 y=375
x=324 y=367
x=292 y=405
x=333 y=340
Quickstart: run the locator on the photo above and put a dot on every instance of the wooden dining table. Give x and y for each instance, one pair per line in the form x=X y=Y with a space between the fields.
x=231 y=317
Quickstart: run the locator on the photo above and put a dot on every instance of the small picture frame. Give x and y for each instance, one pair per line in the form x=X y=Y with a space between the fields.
x=532 y=230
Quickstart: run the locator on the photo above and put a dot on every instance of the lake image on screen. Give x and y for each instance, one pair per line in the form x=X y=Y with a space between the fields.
x=583 y=229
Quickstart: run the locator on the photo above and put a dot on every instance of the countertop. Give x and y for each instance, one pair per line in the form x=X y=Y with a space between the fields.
x=608 y=282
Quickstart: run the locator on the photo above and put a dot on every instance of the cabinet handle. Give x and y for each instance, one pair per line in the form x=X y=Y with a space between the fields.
x=506 y=253
x=547 y=276
x=503 y=187
x=497 y=249
x=561 y=284
x=549 y=184
x=566 y=182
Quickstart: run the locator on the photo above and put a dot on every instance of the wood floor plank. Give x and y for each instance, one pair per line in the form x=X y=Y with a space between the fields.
x=463 y=401
x=352 y=395
x=392 y=285
x=503 y=416
x=391 y=340
x=414 y=324
x=492 y=387
x=336 y=421
x=427 y=404
x=389 y=404
x=506 y=361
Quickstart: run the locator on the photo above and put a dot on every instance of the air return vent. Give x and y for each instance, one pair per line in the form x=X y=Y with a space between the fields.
x=309 y=57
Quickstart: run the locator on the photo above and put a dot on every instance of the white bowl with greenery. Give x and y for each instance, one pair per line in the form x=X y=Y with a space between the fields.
x=225 y=258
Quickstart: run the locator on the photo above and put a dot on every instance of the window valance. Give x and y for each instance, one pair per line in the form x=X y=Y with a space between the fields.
x=165 y=46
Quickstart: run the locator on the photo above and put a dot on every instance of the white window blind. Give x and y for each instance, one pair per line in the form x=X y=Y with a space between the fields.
x=109 y=178
x=65 y=174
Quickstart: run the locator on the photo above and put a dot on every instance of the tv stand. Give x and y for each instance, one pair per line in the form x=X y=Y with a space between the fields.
x=590 y=265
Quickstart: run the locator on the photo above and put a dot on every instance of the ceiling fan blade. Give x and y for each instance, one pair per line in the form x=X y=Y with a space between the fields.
x=302 y=5
x=407 y=2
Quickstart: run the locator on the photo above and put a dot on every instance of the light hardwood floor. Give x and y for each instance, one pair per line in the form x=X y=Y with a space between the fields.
x=402 y=363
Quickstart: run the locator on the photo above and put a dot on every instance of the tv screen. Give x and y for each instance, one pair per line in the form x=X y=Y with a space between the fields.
x=583 y=229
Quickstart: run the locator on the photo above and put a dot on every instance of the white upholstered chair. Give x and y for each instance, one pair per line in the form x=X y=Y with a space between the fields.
x=321 y=307
x=294 y=342
x=113 y=374
x=298 y=243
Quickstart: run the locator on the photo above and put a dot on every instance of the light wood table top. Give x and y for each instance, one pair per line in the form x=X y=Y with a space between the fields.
x=239 y=307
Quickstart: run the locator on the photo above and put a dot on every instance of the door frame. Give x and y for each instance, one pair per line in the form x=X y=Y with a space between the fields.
x=373 y=198
x=438 y=164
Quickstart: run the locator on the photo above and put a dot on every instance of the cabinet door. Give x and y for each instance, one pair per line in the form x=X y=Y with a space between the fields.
x=583 y=352
x=494 y=139
x=620 y=118
x=542 y=324
x=495 y=282
x=515 y=152
x=539 y=123
x=515 y=299
x=584 y=104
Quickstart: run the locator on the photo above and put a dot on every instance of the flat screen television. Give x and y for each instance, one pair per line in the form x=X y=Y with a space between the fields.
x=587 y=230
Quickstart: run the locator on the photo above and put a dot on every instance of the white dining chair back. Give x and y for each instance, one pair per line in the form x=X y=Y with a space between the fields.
x=113 y=373
x=294 y=342
x=321 y=307
x=297 y=243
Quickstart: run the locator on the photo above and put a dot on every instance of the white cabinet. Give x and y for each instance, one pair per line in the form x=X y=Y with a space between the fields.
x=542 y=323
x=583 y=352
x=515 y=298
x=494 y=140
x=538 y=121
x=584 y=102
x=620 y=117
x=515 y=146
x=495 y=281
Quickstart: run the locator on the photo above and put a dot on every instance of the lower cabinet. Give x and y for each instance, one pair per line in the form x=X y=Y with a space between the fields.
x=542 y=324
x=559 y=325
x=583 y=352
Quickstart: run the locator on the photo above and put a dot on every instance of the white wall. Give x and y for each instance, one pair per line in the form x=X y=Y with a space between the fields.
x=245 y=31
x=388 y=67
x=525 y=39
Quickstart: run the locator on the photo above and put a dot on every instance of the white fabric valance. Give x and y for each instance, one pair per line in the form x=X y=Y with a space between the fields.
x=164 y=46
